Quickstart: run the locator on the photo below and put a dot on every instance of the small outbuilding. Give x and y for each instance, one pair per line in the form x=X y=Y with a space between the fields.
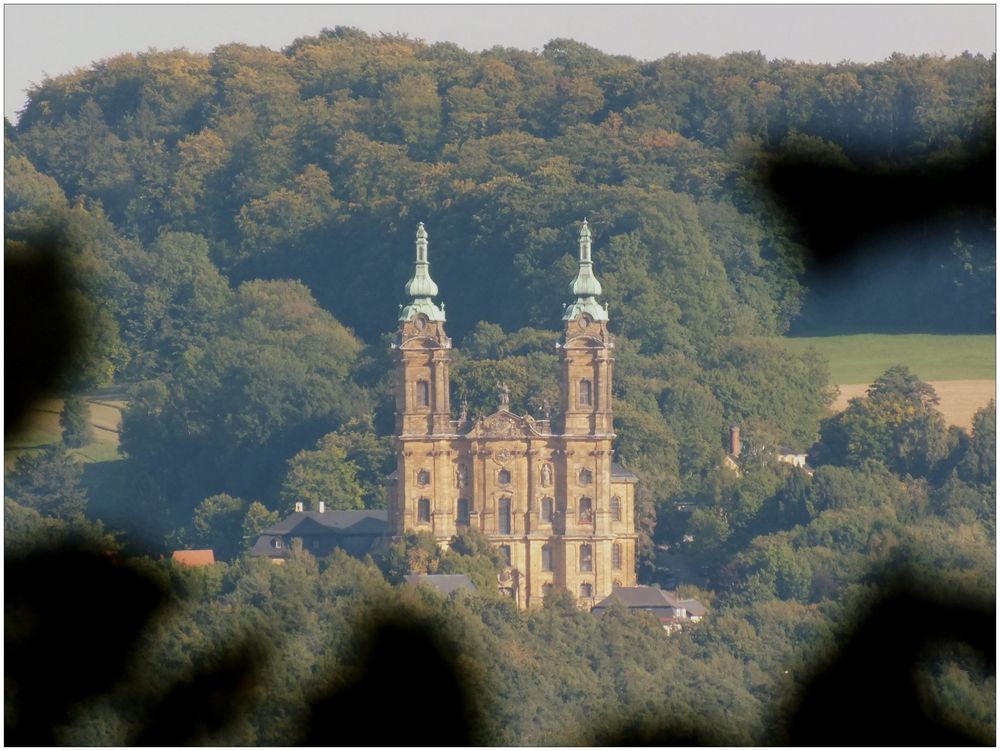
x=193 y=557
x=671 y=611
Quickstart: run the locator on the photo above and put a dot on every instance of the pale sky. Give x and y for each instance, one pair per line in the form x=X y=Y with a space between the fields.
x=42 y=40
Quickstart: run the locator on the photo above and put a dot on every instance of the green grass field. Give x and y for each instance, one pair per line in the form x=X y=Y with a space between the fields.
x=861 y=358
x=41 y=428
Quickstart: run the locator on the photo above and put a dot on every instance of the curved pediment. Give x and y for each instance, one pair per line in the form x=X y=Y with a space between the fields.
x=585 y=340
x=424 y=342
x=504 y=424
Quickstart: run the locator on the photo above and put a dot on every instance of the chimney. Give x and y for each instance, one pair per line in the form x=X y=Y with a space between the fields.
x=298 y=505
x=734 y=440
x=322 y=507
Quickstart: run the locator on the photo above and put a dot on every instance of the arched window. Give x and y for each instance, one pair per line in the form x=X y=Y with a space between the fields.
x=586 y=510
x=586 y=476
x=423 y=394
x=586 y=393
x=616 y=509
x=546 y=557
x=586 y=589
x=548 y=506
x=616 y=556
x=463 y=512
x=424 y=511
x=505 y=555
x=503 y=521
x=503 y=477
x=586 y=558
x=423 y=478
x=617 y=583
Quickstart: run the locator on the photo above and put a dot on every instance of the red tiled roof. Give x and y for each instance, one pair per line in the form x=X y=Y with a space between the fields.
x=194 y=557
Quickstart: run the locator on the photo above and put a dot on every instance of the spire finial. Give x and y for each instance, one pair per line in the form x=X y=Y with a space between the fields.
x=585 y=243
x=421 y=287
x=585 y=286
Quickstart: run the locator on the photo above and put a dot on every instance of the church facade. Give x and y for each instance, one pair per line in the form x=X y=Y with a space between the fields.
x=546 y=492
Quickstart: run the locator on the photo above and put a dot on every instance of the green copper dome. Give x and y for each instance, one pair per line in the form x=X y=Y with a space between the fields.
x=585 y=286
x=421 y=287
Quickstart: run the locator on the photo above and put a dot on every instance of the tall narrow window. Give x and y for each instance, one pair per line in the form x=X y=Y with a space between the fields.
x=586 y=393
x=586 y=589
x=616 y=556
x=586 y=510
x=503 y=522
x=424 y=511
x=586 y=558
x=547 y=508
x=423 y=394
x=505 y=555
x=616 y=509
x=559 y=518
x=546 y=557
x=463 y=512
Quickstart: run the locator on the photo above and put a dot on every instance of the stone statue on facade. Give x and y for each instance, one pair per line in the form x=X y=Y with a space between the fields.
x=504 y=391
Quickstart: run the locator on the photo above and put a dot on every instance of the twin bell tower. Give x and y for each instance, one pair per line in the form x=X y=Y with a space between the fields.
x=544 y=491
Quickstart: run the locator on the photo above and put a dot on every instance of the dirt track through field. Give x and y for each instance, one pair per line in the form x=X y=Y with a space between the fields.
x=959 y=399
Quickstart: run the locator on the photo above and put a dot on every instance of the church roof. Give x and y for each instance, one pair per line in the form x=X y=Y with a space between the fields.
x=618 y=472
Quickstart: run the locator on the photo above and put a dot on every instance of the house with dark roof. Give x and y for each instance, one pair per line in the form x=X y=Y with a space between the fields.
x=443 y=583
x=671 y=611
x=355 y=532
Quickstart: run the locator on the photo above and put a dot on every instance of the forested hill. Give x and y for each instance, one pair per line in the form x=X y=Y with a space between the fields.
x=242 y=224
x=316 y=162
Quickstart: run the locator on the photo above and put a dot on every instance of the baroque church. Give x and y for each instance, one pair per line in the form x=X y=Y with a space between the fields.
x=544 y=491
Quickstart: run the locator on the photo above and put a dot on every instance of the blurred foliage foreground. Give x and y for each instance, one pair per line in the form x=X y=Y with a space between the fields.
x=102 y=650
